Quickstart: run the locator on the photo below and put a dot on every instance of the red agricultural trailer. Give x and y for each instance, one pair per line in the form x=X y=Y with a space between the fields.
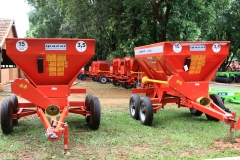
x=179 y=72
x=100 y=70
x=129 y=73
x=51 y=66
x=114 y=70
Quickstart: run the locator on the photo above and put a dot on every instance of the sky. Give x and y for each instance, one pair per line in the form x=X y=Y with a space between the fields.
x=17 y=10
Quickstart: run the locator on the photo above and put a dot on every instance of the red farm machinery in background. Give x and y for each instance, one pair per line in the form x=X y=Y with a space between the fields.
x=120 y=71
x=179 y=72
x=51 y=66
x=100 y=70
x=127 y=72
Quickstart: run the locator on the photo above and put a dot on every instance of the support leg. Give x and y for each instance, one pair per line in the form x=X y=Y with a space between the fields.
x=65 y=138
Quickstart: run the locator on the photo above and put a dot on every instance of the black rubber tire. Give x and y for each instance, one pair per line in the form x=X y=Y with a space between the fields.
x=146 y=111
x=87 y=105
x=6 y=120
x=103 y=79
x=97 y=79
x=134 y=104
x=14 y=101
x=115 y=83
x=83 y=77
x=79 y=76
x=87 y=101
x=94 y=79
x=229 y=80
x=195 y=112
x=95 y=116
x=128 y=85
x=218 y=101
x=237 y=78
x=122 y=84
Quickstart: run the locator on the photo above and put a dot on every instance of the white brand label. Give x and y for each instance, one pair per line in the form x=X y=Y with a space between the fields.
x=81 y=46
x=149 y=50
x=55 y=46
x=21 y=45
x=177 y=47
x=197 y=48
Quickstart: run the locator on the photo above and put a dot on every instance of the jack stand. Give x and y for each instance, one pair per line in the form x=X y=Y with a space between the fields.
x=65 y=139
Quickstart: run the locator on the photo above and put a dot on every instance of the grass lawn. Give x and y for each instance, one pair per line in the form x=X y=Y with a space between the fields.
x=174 y=134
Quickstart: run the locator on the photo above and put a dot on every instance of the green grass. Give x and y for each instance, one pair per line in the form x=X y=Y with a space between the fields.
x=174 y=134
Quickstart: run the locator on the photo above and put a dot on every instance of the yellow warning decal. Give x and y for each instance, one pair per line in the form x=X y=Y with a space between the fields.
x=179 y=82
x=24 y=86
x=51 y=57
x=56 y=64
x=197 y=61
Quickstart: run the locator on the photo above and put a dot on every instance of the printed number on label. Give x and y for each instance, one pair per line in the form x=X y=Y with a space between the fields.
x=81 y=46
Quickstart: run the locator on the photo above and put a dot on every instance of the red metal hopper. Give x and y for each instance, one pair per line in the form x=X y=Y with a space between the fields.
x=179 y=72
x=51 y=66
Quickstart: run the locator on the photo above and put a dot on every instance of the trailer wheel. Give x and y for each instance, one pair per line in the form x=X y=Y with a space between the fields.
x=195 y=112
x=128 y=85
x=115 y=83
x=134 y=104
x=14 y=101
x=218 y=101
x=103 y=79
x=146 y=111
x=237 y=78
x=87 y=105
x=6 y=120
x=123 y=84
x=97 y=79
x=79 y=76
x=83 y=77
x=95 y=108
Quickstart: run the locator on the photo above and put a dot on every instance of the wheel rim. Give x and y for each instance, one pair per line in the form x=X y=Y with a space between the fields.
x=142 y=111
x=133 y=107
x=103 y=79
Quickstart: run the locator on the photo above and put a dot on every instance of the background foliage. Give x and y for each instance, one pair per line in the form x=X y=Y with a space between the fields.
x=120 y=25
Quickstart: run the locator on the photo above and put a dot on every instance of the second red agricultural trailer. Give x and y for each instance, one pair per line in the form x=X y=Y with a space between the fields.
x=179 y=72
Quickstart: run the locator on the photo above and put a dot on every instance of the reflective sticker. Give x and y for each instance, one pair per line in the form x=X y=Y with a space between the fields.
x=81 y=46
x=216 y=47
x=177 y=47
x=197 y=47
x=21 y=45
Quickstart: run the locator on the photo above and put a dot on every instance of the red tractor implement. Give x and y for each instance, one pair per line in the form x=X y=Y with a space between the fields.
x=101 y=70
x=179 y=72
x=51 y=66
x=129 y=74
x=115 y=69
